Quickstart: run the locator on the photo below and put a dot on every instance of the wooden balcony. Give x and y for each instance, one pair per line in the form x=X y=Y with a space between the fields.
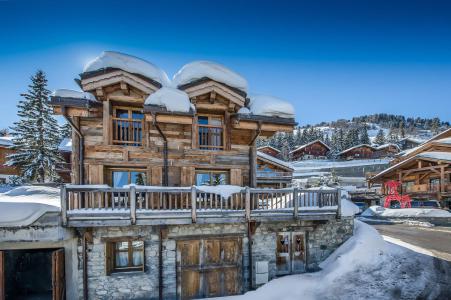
x=127 y=131
x=87 y=206
x=270 y=174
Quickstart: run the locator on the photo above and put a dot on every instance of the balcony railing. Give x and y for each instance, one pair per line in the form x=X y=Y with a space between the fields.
x=270 y=174
x=97 y=206
x=127 y=132
x=211 y=137
x=423 y=188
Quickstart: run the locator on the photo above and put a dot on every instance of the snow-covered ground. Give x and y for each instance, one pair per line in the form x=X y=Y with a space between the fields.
x=23 y=205
x=318 y=164
x=379 y=211
x=364 y=267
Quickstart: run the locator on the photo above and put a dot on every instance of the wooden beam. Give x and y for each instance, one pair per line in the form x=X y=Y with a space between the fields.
x=174 y=119
x=107 y=126
x=212 y=97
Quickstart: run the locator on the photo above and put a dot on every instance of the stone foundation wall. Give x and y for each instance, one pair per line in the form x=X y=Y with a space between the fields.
x=322 y=238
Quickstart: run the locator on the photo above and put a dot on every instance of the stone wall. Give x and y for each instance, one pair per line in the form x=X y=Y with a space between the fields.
x=321 y=237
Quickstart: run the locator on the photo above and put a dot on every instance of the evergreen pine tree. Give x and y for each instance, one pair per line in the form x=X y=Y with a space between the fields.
x=401 y=129
x=364 y=137
x=66 y=131
x=380 y=137
x=36 y=134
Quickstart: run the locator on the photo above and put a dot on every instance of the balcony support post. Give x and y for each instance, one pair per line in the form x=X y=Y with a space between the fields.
x=338 y=204
x=248 y=204
x=133 y=204
x=63 y=194
x=296 y=203
x=193 y=203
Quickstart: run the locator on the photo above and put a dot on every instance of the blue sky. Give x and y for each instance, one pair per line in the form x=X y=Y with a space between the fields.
x=331 y=59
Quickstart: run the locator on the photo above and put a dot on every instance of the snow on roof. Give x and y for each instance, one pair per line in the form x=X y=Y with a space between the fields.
x=6 y=141
x=200 y=69
x=171 y=98
x=23 y=205
x=65 y=145
x=128 y=63
x=270 y=106
x=272 y=159
x=66 y=93
x=244 y=111
x=386 y=146
x=308 y=144
x=444 y=141
x=355 y=147
x=436 y=155
x=268 y=146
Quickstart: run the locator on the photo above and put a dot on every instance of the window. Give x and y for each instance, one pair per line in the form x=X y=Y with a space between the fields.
x=124 y=177
x=125 y=255
x=434 y=184
x=211 y=177
x=127 y=126
x=211 y=132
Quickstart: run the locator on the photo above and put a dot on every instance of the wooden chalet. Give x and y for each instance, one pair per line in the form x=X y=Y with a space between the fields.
x=386 y=151
x=5 y=149
x=408 y=143
x=273 y=172
x=145 y=175
x=313 y=150
x=269 y=150
x=424 y=171
x=362 y=151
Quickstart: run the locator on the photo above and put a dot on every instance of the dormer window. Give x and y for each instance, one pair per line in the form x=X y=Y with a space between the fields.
x=210 y=132
x=127 y=126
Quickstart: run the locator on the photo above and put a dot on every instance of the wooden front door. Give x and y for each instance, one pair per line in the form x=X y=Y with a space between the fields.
x=209 y=267
x=58 y=278
x=290 y=253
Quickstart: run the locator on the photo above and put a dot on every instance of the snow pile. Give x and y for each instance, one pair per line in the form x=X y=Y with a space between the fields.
x=224 y=190
x=348 y=208
x=6 y=141
x=379 y=211
x=200 y=69
x=66 y=93
x=23 y=205
x=244 y=111
x=128 y=63
x=270 y=106
x=65 y=145
x=173 y=99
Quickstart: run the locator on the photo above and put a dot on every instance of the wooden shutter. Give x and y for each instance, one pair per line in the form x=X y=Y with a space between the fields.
x=2 y=275
x=58 y=278
x=109 y=257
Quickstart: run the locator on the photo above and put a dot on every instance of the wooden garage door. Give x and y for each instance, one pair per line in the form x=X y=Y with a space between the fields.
x=209 y=267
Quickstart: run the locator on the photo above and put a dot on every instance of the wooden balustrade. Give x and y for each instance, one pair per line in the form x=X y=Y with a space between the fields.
x=137 y=201
x=127 y=132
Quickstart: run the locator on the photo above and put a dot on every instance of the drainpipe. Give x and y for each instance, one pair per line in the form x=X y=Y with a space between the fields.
x=165 y=150
x=85 y=266
x=80 y=145
x=253 y=158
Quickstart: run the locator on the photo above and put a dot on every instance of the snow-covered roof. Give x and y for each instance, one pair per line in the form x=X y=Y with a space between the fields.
x=270 y=106
x=418 y=141
x=23 y=205
x=6 y=141
x=435 y=155
x=444 y=141
x=197 y=70
x=270 y=147
x=172 y=99
x=308 y=144
x=386 y=146
x=66 y=93
x=128 y=63
x=244 y=110
x=274 y=160
x=65 y=145
x=355 y=147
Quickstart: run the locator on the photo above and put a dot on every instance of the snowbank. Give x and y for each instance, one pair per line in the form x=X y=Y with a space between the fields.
x=23 y=205
x=224 y=190
x=379 y=211
x=129 y=63
x=348 y=208
x=270 y=106
x=173 y=99
x=199 y=69
x=65 y=93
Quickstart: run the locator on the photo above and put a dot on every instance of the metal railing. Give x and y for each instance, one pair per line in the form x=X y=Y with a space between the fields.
x=136 y=200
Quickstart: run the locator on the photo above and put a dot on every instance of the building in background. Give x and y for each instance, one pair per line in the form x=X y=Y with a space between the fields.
x=313 y=150
x=6 y=172
x=273 y=172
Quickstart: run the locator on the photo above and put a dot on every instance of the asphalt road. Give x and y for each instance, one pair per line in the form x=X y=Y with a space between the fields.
x=435 y=239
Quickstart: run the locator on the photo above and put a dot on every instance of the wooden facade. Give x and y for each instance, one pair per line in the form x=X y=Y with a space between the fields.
x=273 y=172
x=269 y=150
x=358 y=152
x=425 y=172
x=313 y=150
x=5 y=170
x=386 y=151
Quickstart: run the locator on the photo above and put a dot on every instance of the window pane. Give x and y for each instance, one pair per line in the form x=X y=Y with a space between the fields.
x=202 y=120
x=138 y=178
x=137 y=115
x=120 y=178
x=138 y=257
x=202 y=179
x=122 y=113
x=215 y=121
x=121 y=256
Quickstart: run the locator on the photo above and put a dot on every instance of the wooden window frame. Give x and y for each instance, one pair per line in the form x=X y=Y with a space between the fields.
x=110 y=255
x=110 y=171
x=222 y=127
x=197 y=171
x=130 y=119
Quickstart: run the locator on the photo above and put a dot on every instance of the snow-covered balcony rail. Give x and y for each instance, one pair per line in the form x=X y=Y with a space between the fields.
x=98 y=205
x=274 y=174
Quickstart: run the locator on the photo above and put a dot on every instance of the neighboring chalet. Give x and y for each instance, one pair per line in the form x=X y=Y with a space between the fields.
x=273 y=172
x=149 y=161
x=424 y=171
x=269 y=150
x=408 y=143
x=313 y=150
x=6 y=172
x=386 y=151
x=362 y=151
